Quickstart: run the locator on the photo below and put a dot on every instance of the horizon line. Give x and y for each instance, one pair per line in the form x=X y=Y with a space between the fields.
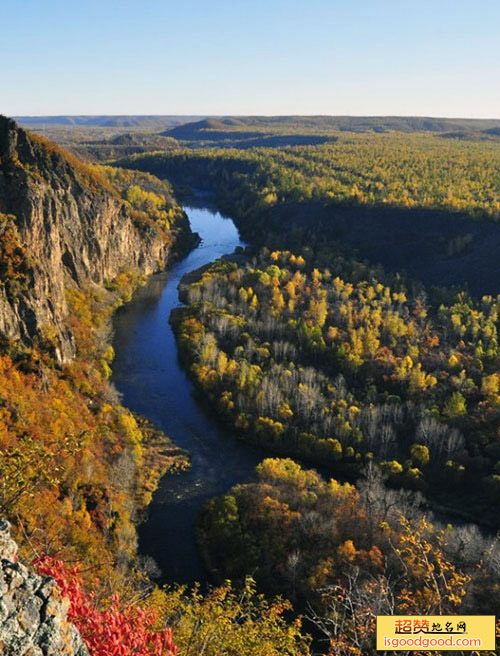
x=461 y=118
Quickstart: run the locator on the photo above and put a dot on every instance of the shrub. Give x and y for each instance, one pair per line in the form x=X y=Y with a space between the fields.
x=119 y=630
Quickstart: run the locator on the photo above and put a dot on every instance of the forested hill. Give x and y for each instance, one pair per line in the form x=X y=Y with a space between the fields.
x=324 y=124
x=125 y=121
x=109 y=137
x=76 y=467
x=279 y=131
x=295 y=123
x=413 y=202
x=75 y=240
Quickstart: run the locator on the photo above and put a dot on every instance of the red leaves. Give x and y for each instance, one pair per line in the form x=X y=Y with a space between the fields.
x=117 y=631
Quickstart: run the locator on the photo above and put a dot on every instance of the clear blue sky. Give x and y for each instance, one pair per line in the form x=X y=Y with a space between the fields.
x=404 y=57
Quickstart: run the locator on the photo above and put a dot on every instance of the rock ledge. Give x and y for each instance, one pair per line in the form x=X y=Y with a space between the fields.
x=33 y=614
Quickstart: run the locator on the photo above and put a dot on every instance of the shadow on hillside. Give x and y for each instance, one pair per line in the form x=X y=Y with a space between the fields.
x=437 y=247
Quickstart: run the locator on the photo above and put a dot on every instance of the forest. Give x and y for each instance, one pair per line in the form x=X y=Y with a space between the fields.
x=416 y=170
x=375 y=395
x=416 y=203
x=250 y=328
x=385 y=383
x=340 y=367
x=351 y=552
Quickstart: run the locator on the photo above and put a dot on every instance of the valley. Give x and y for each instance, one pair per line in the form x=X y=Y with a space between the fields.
x=323 y=388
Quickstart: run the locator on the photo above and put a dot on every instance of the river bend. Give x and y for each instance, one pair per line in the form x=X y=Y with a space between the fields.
x=148 y=374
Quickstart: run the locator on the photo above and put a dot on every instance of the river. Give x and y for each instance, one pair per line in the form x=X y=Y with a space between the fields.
x=152 y=382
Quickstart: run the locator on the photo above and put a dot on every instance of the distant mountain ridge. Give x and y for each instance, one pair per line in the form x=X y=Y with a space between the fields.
x=241 y=127
x=146 y=121
x=203 y=122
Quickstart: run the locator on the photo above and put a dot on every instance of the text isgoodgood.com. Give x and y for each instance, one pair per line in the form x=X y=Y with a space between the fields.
x=422 y=641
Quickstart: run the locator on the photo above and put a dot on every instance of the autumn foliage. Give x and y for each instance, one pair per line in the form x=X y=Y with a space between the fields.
x=301 y=349
x=401 y=170
x=343 y=365
x=118 y=630
x=352 y=552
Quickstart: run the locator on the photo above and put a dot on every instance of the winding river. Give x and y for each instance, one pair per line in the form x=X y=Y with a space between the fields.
x=148 y=374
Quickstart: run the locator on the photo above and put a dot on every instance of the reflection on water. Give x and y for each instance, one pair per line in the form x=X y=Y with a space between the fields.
x=147 y=373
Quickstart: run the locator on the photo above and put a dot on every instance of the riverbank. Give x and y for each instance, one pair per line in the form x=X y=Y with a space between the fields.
x=154 y=384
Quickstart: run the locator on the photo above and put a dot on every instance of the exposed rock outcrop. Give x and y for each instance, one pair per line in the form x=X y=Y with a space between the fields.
x=74 y=228
x=33 y=614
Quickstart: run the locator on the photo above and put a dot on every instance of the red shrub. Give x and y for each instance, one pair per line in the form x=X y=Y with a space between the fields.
x=117 y=631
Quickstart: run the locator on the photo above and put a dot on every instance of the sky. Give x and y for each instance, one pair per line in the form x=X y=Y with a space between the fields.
x=251 y=57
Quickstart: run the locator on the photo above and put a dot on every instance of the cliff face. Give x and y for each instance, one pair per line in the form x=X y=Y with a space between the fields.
x=32 y=612
x=65 y=228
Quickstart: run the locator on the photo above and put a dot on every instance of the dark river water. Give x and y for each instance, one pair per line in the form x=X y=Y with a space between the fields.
x=148 y=374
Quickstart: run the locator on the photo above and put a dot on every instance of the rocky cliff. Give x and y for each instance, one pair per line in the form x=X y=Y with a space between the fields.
x=32 y=612
x=60 y=226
